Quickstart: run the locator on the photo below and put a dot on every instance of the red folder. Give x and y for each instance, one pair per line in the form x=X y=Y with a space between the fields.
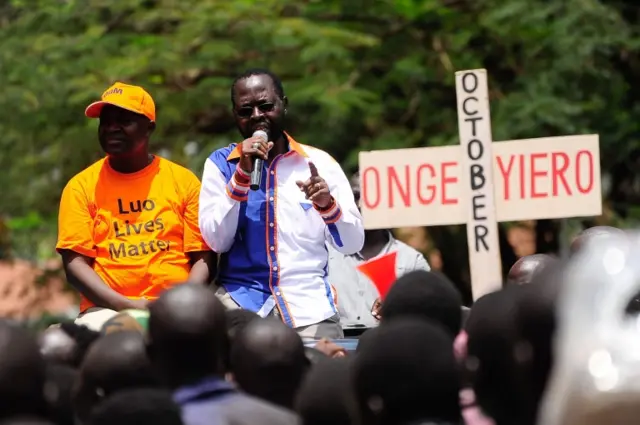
x=381 y=271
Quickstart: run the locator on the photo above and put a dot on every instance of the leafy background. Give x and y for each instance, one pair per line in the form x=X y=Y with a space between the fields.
x=360 y=75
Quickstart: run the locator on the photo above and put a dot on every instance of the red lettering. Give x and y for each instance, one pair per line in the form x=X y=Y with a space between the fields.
x=406 y=185
x=430 y=187
x=557 y=172
x=589 y=186
x=546 y=169
x=365 y=188
x=505 y=175
x=445 y=180
x=522 y=191
x=537 y=173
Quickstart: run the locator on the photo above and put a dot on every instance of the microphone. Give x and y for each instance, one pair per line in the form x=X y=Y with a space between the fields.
x=256 y=173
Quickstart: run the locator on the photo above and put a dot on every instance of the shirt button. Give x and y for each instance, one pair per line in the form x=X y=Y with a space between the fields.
x=272 y=248
x=275 y=268
x=278 y=294
x=360 y=292
x=270 y=224
x=272 y=172
x=271 y=199
x=358 y=317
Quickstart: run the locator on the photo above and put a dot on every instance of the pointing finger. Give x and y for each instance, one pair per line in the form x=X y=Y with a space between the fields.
x=313 y=169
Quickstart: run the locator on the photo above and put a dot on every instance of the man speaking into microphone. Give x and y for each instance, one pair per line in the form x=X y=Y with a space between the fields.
x=268 y=205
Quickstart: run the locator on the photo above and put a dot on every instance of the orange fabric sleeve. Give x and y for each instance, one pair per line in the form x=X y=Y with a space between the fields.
x=192 y=238
x=75 y=222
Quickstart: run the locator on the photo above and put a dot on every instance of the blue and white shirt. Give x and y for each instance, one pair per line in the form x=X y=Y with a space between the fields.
x=272 y=240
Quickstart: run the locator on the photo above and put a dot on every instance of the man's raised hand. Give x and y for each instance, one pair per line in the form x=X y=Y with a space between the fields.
x=316 y=188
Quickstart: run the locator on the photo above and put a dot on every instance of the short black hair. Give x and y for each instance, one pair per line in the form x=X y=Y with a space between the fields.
x=22 y=372
x=268 y=361
x=425 y=294
x=409 y=364
x=238 y=319
x=511 y=335
x=84 y=338
x=326 y=396
x=256 y=72
x=59 y=393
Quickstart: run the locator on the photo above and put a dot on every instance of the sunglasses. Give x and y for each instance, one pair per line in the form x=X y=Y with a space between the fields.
x=247 y=111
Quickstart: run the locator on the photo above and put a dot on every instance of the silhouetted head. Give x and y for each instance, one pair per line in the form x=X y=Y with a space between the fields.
x=114 y=362
x=83 y=337
x=528 y=267
x=593 y=234
x=268 y=361
x=57 y=346
x=428 y=295
x=536 y=320
x=407 y=372
x=238 y=319
x=58 y=392
x=326 y=395
x=22 y=373
x=187 y=335
x=365 y=339
x=492 y=335
x=510 y=335
x=66 y=343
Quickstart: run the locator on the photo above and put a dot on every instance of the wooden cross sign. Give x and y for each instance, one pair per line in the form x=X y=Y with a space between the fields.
x=480 y=183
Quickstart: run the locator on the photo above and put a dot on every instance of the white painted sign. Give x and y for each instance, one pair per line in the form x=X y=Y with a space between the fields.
x=549 y=177
x=479 y=183
x=412 y=187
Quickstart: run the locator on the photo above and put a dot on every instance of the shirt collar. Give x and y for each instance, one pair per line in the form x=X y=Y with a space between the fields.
x=385 y=249
x=293 y=146
x=208 y=386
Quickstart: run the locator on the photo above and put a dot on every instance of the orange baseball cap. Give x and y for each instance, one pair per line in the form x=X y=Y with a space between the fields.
x=131 y=98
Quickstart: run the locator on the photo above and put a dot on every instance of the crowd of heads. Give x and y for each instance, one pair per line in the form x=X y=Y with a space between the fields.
x=426 y=362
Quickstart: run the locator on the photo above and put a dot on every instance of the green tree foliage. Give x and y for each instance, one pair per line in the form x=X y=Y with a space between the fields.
x=359 y=74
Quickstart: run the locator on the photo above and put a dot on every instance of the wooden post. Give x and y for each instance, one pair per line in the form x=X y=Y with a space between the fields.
x=474 y=127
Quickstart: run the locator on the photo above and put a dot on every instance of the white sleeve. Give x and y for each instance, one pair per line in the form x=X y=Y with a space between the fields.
x=421 y=263
x=220 y=206
x=345 y=231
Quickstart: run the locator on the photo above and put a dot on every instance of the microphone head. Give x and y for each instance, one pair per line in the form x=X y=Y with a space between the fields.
x=262 y=134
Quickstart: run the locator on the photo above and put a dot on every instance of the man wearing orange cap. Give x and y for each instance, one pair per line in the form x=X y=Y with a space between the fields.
x=128 y=224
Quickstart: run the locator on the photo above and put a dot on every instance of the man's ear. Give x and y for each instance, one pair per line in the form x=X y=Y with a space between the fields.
x=151 y=128
x=285 y=103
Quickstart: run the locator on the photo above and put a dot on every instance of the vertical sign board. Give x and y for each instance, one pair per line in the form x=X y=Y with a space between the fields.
x=474 y=127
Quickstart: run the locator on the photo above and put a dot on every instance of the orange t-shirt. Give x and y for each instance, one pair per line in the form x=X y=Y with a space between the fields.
x=138 y=227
